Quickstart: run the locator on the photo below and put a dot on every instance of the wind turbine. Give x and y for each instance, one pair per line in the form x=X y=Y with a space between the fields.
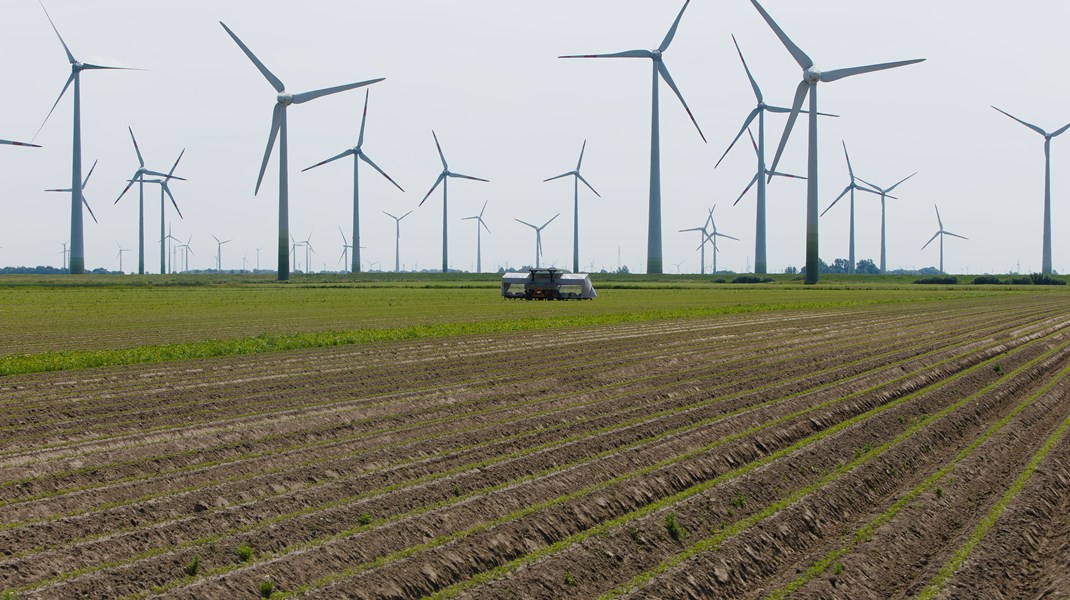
x=165 y=189
x=1046 y=252
x=760 y=178
x=10 y=143
x=64 y=253
x=442 y=178
x=811 y=77
x=77 y=259
x=308 y=253
x=851 y=187
x=219 y=253
x=345 y=247
x=279 y=129
x=293 y=251
x=120 y=255
x=186 y=251
x=480 y=225
x=86 y=203
x=397 y=238
x=654 y=255
x=577 y=178
x=884 y=194
x=139 y=178
x=941 y=233
x=538 y=236
x=358 y=155
x=712 y=236
x=703 y=236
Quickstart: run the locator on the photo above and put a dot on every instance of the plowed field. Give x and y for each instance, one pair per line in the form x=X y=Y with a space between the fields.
x=886 y=450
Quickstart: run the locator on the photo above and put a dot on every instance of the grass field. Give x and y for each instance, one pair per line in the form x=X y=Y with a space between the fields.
x=421 y=437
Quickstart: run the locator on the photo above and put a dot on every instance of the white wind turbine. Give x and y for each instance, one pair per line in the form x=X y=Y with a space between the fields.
x=77 y=251
x=654 y=254
x=165 y=189
x=712 y=235
x=851 y=187
x=358 y=155
x=577 y=178
x=120 y=256
x=480 y=225
x=84 y=201
x=538 y=236
x=397 y=239
x=884 y=194
x=279 y=129
x=344 y=258
x=1046 y=252
x=442 y=178
x=219 y=253
x=703 y=236
x=811 y=77
x=941 y=233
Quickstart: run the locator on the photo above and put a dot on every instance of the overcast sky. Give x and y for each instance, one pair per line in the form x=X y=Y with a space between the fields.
x=485 y=76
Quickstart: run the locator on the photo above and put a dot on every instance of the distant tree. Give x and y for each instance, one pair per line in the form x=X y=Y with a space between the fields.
x=623 y=270
x=867 y=267
x=791 y=271
x=840 y=265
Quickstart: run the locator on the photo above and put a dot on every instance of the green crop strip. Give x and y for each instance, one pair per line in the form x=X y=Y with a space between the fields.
x=866 y=532
x=604 y=527
x=87 y=359
x=489 y=462
x=710 y=544
x=993 y=515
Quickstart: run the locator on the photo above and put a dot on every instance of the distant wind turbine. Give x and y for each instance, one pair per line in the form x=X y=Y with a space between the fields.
x=480 y=225
x=279 y=129
x=186 y=251
x=345 y=248
x=84 y=182
x=442 y=178
x=851 y=187
x=712 y=236
x=941 y=233
x=654 y=254
x=577 y=178
x=309 y=250
x=166 y=190
x=139 y=178
x=219 y=253
x=703 y=236
x=77 y=259
x=358 y=155
x=397 y=239
x=884 y=194
x=120 y=255
x=1045 y=263
x=64 y=253
x=538 y=236
x=811 y=77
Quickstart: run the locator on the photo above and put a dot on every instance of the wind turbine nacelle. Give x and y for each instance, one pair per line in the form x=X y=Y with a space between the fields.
x=812 y=75
x=285 y=99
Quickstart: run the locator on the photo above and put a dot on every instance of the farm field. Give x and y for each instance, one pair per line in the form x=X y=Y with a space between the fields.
x=658 y=442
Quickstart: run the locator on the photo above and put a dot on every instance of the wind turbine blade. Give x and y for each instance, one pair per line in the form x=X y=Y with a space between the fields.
x=469 y=218
x=91 y=67
x=625 y=54
x=938 y=219
x=788 y=175
x=10 y=143
x=668 y=79
x=159 y=174
x=850 y=170
x=274 y=81
x=404 y=215
x=589 y=186
x=693 y=229
x=441 y=156
x=800 y=96
x=1029 y=125
x=869 y=191
x=441 y=177
x=1057 y=133
x=889 y=190
x=753 y=181
x=90 y=174
x=526 y=223
x=753 y=143
x=385 y=213
x=725 y=236
x=215 y=238
x=484 y=209
x=746 y=123
x=956 y=235
x=171 y=173
x=878 y=189
x=276 y=124
x=753 y=83
x=130 y=183
x=70 y=78
x=363 y=119
x=484 y=225
x=935 y=235
x=584 y=147
x=86 y=204
x=70 y=56
x=559 y=176
x=167 y=190
x=796 y=52
x=365 y=158
x=672 y=30
x=459 y=176
x=550 y=221
x=344 y=240
x=306 y=96
x=837 y=74
x=838 y=198
x=331 y=159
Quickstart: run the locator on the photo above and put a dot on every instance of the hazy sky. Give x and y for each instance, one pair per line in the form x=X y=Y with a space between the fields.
x=485 y=76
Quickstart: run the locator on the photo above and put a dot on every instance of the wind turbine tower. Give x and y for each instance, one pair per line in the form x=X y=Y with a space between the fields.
x=397 y=239
x=577 y=178
x=811 y=77
x=219 y=253
x=1045 y=262
x=941 y=233
x=279 y=129
x=480 y=225
x=139 y=178
x=442 y=178
x=654 y=254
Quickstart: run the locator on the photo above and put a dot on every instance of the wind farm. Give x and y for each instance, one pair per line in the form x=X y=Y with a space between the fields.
x=769 y=413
